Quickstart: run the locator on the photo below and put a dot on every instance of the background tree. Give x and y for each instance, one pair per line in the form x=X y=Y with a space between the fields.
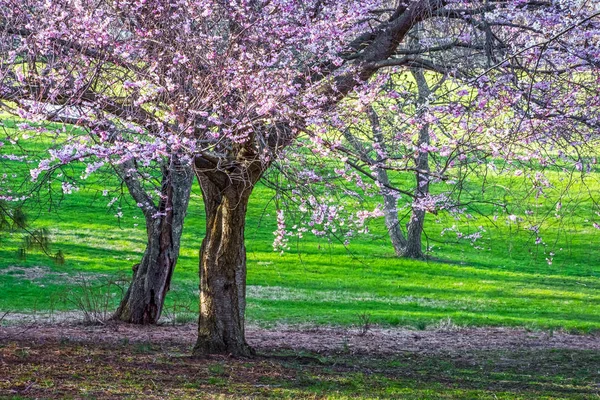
x=397 y=137
x=371 y=155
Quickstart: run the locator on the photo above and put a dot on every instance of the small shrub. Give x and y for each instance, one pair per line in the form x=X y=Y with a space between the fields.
x=421 y=325
x=143 y=348
x=59 y=258
x=364 y=323
x=95 y=299
x=445 y=325
x=180 y=313
x=216 y=369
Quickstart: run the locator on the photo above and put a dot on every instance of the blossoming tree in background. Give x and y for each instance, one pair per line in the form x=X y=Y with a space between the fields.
x=487 y=96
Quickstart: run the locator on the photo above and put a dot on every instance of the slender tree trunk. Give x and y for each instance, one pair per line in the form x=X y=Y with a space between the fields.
x=390 y=202
x=417 y=219
x=410 y=245
x=390 y=214
x=144 y=300
x=223 y=269
x=414 y=233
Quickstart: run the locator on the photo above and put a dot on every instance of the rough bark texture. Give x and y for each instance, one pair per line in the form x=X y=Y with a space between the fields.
x=143 y=302
x=223 y=269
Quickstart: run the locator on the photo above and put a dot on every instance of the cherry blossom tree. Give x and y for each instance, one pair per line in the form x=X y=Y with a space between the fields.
x=410 y=125
x=229 y=87
x=367 y=152
x=164 y=216
x=161 y=188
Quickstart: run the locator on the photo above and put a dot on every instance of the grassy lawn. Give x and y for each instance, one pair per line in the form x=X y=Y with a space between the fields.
x=321 y=282
x=505 y=280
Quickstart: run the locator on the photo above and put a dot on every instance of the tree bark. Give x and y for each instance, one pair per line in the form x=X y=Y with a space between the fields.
x=223 y=269
x=417 y=219
x=144 y=300
x=409 y=246
x=390 y=201
x=390 y=214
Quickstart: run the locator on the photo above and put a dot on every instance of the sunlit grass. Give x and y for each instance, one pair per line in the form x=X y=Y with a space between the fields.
x=505 y=280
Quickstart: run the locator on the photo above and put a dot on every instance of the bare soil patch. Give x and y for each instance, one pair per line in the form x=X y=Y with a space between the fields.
x=42 y=275
x=377 y=341
x=115 y=361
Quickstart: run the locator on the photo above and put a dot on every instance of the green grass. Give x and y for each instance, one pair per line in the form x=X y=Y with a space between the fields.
x=505 y=282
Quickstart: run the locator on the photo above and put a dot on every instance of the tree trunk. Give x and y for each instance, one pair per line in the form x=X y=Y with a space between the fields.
x=409 y=246
x=414 y=230
x=417 y=218
x=223 y=269
x=144 y=300
x=413 y=247
x=390 y=201
x=390 y=214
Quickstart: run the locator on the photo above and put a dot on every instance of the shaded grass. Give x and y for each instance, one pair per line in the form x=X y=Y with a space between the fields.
x=146 y=370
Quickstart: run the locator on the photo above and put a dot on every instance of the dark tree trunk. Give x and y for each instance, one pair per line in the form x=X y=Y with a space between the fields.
x=413 y=247
x=144 y=300
x=223 y=269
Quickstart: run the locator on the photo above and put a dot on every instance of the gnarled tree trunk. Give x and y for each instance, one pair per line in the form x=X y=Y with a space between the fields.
x=223 y=269
x=144 y=300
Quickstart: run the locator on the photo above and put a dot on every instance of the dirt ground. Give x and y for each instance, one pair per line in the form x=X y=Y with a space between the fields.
x=376 y=341
x=115 y=361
